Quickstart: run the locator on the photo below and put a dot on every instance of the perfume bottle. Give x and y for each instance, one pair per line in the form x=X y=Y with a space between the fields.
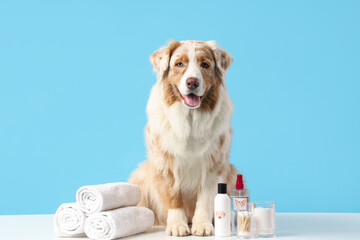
x=240 y=200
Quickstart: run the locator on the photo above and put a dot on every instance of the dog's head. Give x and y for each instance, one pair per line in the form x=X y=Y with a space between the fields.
x=192 y=72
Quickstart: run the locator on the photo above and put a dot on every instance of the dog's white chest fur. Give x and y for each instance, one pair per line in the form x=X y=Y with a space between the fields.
x=189 y=135
x=189 y=175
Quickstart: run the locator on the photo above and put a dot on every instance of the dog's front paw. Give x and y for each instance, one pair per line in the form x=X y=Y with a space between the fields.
x=202 y=229
x=177 y=229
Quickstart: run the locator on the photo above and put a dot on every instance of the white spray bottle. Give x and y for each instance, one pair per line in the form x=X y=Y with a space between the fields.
x=222 y=212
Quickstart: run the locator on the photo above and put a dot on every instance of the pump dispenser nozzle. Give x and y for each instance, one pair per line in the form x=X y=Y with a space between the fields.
x=239 y=182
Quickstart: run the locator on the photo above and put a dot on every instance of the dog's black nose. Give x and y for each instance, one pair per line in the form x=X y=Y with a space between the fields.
x=192 y=83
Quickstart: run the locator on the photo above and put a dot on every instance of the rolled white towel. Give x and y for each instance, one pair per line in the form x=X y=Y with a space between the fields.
x=118 y=223
x=97 y=198
x=69 y=221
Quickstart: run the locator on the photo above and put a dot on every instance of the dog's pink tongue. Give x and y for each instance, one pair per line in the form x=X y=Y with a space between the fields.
x=192 y=100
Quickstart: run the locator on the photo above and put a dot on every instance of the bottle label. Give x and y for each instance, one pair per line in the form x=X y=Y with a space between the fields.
x=240 y=204
x=220 y=214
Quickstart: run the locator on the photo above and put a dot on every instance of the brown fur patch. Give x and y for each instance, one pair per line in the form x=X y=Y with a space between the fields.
x=212 y=81
x=210 y=98
x=161 y=177
x=171 y=94
x=170 y=197
x=226 y=60
x=164 y=177
x=156 y=151
x=160 y=59
x=171 y=80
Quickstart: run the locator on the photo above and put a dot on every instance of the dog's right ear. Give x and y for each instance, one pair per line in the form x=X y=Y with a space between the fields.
x=223 y=59
x=160 y=59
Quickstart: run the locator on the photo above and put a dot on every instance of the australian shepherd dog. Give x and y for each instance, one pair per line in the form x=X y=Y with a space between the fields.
x=188 y=136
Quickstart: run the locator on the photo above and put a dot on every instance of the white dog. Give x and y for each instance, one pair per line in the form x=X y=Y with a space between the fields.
x=188 y=136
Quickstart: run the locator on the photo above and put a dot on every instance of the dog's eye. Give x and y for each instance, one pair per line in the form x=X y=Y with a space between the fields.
x=179 y=64
x=204 y=65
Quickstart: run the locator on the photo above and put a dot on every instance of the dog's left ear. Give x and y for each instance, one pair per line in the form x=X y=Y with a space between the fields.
x=160 y=59
x=223 y=59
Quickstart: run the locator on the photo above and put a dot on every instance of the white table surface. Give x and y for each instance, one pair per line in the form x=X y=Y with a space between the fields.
x=341 y=226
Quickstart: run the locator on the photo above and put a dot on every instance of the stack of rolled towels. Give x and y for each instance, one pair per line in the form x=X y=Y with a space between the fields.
x=106 y=211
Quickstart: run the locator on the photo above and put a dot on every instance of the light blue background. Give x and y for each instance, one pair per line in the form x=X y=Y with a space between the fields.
x=75 y=79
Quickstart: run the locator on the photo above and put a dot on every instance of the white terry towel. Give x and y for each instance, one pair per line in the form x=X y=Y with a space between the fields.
x=97 y=198
x=119 y=223
x=69 y=221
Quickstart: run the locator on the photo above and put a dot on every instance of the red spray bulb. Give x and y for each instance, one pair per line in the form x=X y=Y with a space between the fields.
x=239 y=182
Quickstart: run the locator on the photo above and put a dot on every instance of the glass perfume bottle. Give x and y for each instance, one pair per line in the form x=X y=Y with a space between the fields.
x=240 y=199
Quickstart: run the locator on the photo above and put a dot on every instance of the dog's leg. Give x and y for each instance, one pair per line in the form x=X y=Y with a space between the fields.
x=202 y=220
x=177 y=224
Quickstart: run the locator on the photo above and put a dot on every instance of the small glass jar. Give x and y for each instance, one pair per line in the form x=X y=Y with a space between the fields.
x=244 y=224
x=263 y=219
